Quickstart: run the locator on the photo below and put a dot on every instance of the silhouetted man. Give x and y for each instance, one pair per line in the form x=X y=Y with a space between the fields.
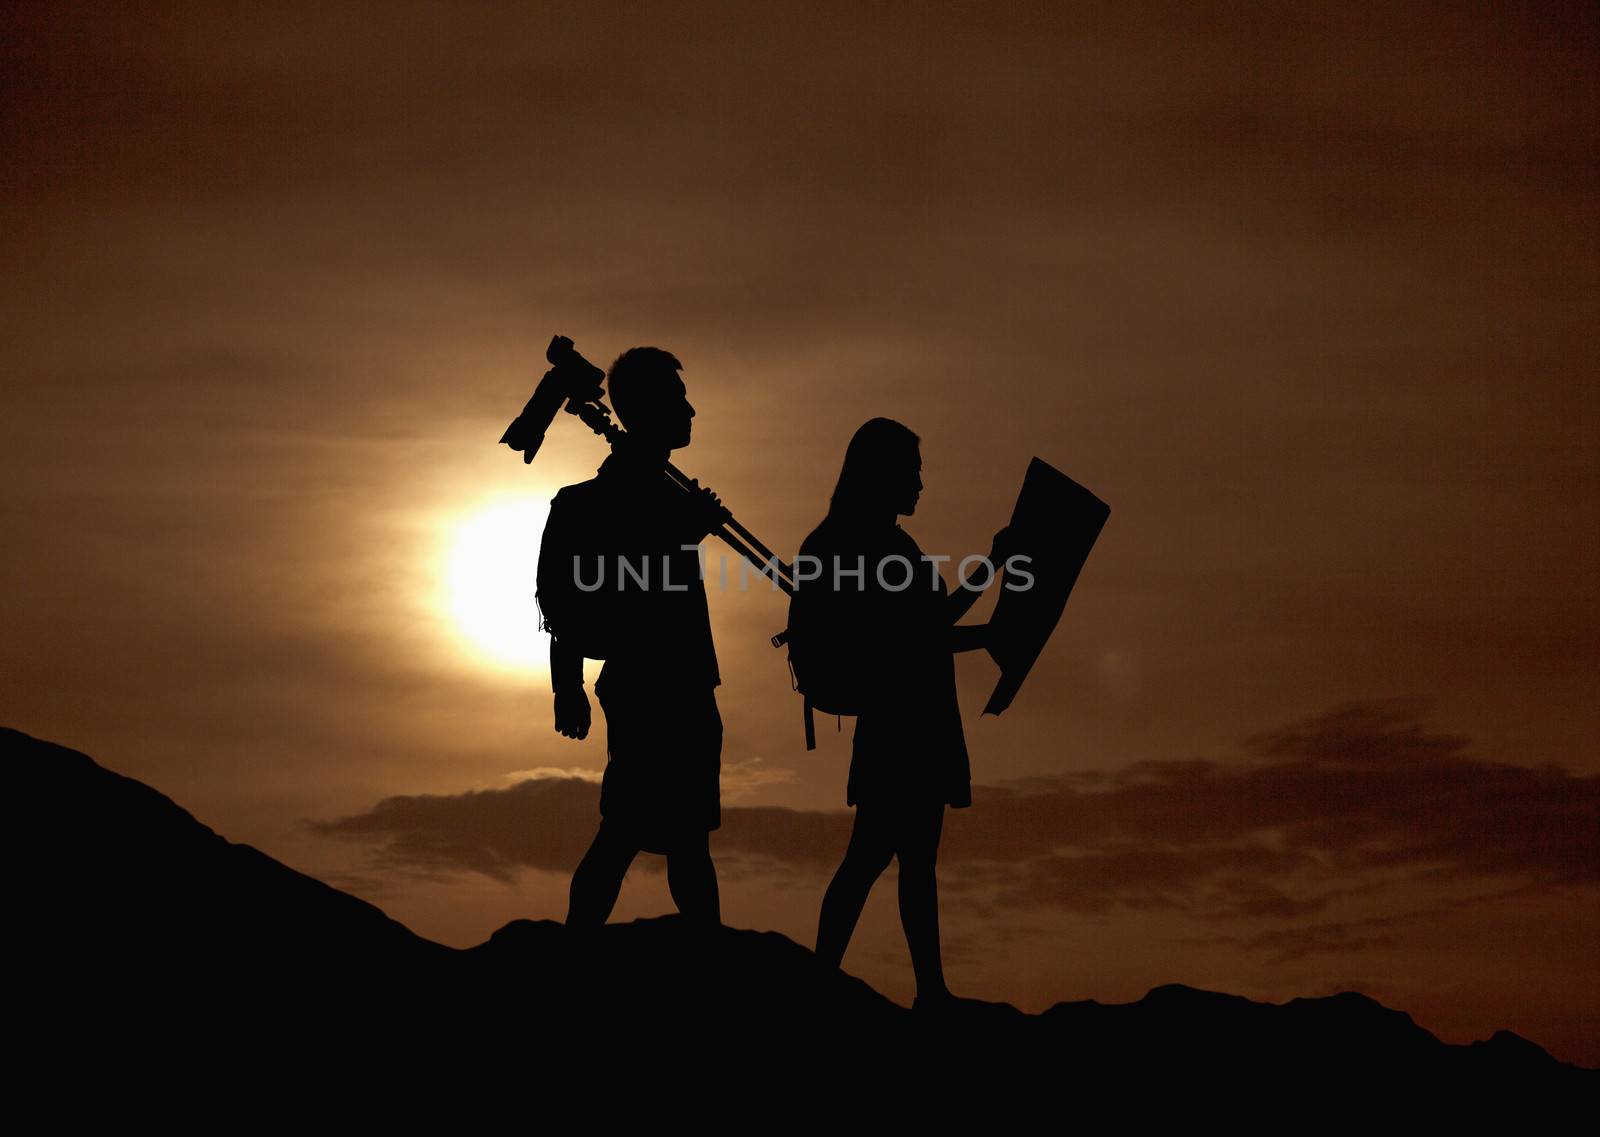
x=619 y=579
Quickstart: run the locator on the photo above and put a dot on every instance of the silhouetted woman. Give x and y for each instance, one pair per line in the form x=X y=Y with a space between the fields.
x=909 y=758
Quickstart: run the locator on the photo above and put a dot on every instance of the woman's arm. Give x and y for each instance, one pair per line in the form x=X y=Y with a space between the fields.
x=968 y=590
x=969 y=637
x=960 y=602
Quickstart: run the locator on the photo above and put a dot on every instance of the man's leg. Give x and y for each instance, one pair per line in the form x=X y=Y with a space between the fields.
x=598 y=878
x=692 y=879
x=918 y=849
x=867 y=855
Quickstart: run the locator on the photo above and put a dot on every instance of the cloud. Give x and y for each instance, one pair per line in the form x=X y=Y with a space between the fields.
x=1344 y=936
x=542 y=823
x=554 y=773
x=1358 y=800
x=744 y=776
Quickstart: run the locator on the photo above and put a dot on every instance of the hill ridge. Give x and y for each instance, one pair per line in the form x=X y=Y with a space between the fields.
x=147 y=912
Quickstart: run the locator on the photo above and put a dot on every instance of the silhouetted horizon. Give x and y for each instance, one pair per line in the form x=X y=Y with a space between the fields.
x=231 y=934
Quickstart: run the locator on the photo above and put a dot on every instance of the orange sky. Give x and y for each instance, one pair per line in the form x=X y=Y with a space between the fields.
x=1308 y=301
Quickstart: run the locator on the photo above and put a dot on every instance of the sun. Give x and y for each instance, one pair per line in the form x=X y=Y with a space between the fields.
x=492 y=555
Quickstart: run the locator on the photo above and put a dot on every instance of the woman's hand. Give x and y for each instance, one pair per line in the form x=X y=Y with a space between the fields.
x=1005 y=544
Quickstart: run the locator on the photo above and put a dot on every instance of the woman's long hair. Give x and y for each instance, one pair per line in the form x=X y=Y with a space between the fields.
x=876 y=459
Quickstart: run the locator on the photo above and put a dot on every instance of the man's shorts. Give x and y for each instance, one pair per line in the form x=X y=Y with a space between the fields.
x=662 y=784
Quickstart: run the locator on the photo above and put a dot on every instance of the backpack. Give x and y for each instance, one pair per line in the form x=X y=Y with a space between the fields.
x=827 y=664
x=586 y=620
x=596 y=622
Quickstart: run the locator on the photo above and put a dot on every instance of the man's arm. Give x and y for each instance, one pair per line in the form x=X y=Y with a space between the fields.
x=572 y=712
x=566 y=678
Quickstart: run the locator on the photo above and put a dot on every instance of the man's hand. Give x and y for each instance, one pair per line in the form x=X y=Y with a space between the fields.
x=572 y=713
x=707 y=510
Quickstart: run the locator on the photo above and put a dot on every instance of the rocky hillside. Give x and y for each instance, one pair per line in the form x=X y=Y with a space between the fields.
x=145 y=936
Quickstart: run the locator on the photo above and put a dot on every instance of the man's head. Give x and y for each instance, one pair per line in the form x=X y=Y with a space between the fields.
x=649 y=397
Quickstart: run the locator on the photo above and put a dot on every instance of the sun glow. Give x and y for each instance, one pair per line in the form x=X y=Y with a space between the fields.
x=489 y=578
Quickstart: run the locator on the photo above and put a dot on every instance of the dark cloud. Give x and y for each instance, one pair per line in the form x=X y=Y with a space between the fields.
x=1315 y=811
x=1341 y=804
x=542 y=823
x=1286 y=945
x=1291 y=944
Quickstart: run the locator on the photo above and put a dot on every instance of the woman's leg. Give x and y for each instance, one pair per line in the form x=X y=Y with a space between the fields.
x=868 y=854
x=692 y=879
x=598 y=878
x=918 y=849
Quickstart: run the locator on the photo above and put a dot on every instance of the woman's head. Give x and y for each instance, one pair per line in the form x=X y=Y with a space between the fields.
x=882 y=474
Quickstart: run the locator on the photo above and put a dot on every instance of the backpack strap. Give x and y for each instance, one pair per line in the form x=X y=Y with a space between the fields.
x=811 y=728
